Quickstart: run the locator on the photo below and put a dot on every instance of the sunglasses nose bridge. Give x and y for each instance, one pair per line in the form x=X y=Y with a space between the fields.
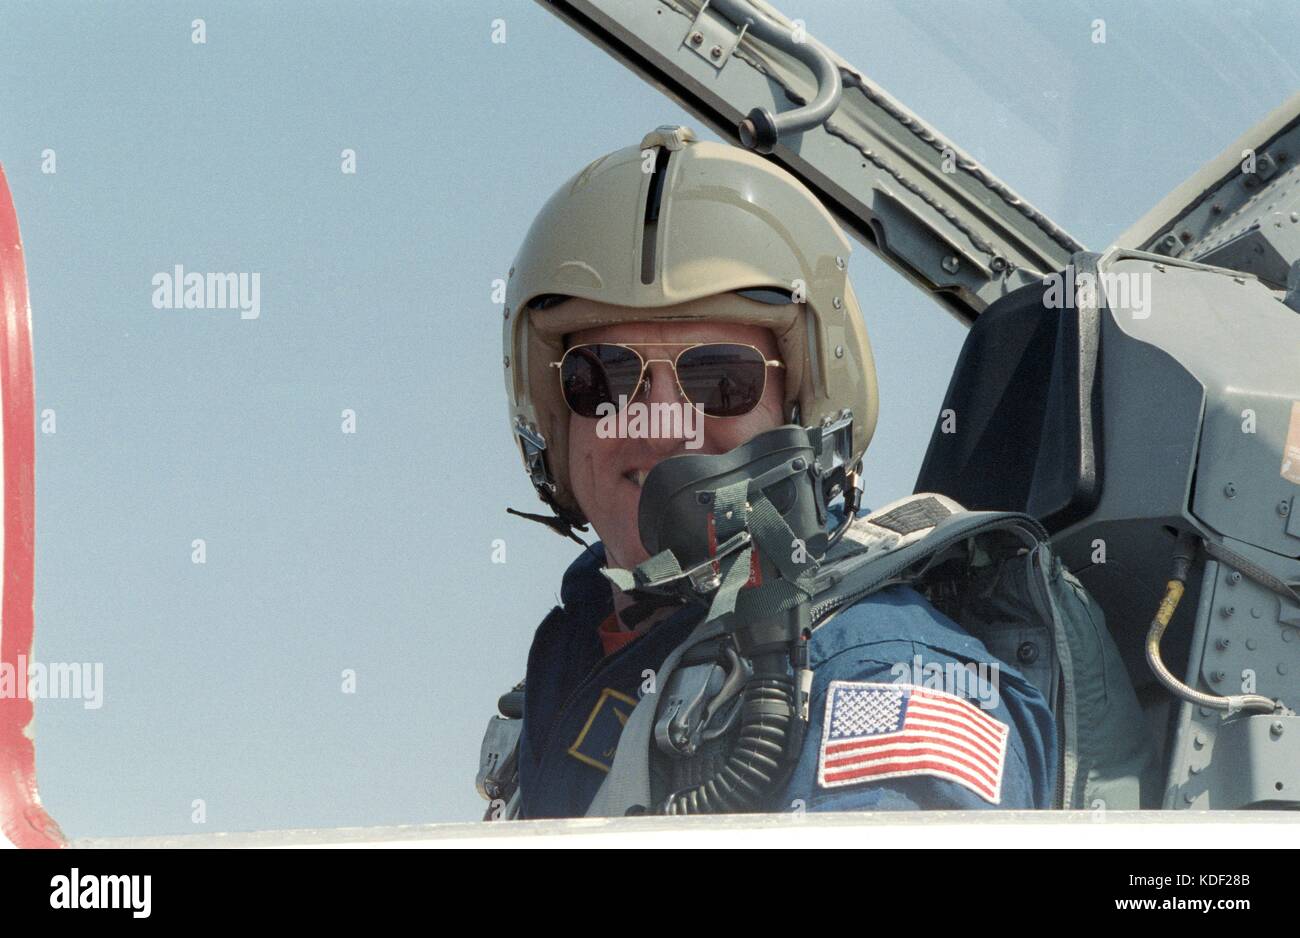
x=659 y=380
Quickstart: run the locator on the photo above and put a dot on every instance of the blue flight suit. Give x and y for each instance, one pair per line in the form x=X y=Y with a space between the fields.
x=577 y=699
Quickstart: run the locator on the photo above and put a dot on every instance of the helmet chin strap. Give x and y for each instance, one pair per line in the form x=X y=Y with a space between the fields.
x=557 y=523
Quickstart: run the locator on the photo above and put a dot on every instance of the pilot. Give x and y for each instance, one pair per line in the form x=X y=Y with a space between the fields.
x=689 y=274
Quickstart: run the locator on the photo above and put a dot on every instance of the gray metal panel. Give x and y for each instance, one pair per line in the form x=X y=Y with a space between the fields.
x=1220 y=202
x=1234 y=337
x=963 y=236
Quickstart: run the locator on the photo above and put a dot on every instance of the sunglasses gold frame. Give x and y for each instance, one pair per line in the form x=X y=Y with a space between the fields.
x=672 y=363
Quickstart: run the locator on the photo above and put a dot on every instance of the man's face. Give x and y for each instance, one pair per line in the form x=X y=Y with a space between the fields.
x=606 y=471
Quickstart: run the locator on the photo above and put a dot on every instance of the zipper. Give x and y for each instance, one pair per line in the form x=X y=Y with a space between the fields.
x=1042 y=596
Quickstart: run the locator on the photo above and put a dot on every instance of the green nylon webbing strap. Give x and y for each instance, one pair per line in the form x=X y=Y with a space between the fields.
x=733 y=514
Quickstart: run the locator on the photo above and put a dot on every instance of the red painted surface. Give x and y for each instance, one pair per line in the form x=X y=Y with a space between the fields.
x=22 y=818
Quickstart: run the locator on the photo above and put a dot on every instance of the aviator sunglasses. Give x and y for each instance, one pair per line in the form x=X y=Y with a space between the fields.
x=721 y=379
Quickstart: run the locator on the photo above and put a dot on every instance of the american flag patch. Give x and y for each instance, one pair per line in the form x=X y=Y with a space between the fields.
x=879 y=731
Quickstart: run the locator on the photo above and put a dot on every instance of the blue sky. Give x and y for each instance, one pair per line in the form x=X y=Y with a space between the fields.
x=370 y=552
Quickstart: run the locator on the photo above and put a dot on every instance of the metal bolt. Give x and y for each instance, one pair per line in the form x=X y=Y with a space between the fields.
x=839 y=351
x=1206 y=711
x=1230 y=490
x=506 y=361
x=704 y=497
x=1284 y=508
x=1277 y=728
x=1222 y=643
x=697 y=38
x=799 y=465
x=507 y=312
x=837 y=302
x=1027 y=653
x=1234 y=578
x=1217 y=677
x=951 y=263
x=715 y=52
x=1228 y=611
x=839 y=262
x=1198 y=741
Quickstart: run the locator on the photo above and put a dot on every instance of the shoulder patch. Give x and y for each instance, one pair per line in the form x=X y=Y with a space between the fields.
x=878 y=731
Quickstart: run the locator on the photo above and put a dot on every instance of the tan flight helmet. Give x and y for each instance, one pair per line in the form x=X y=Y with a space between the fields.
x=650 y=229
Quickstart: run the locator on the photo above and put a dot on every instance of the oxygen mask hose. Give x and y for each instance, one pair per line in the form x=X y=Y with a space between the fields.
x=1184 y=555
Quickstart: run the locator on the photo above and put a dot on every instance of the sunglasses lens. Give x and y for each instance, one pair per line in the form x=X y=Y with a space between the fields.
x=592 y=375
x=723 y=380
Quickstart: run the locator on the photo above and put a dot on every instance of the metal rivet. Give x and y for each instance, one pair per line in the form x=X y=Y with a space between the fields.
x=951 y=263
x=1198 y=741
x=839 y=351
x=1288 y=635
x=506 y=313
x=1222 y=643
x=839 y=262
x=1217 y=677
x=837 y=303
x=704 y=497
x=1251 y=644
x=1230 y=490
x=506 y=361
x=697 y=38
x=1282 y=669
x=1234 y=578
x=1027 y=653
x=798 y=465
x=715 y=52
x=1228 y=611
x=1284 y=508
